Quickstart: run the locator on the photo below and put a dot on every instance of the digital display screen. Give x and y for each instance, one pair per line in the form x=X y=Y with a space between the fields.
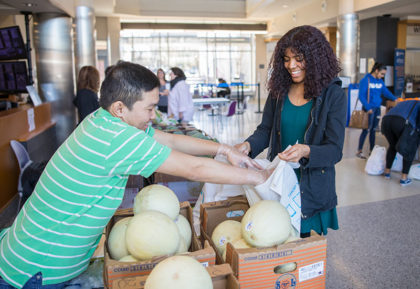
x=13 y=77
x=11 y=44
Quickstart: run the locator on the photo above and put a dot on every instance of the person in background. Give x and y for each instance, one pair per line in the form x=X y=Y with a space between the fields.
x=180 y=104
x=222 y=88
x=88 y=83
x=58 y=229
x=392 y=127
x=304 y=121
x=373 y=85
x=163 y=91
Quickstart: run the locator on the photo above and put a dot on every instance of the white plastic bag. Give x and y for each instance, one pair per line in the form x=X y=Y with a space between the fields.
x=283 y=186
x=375 y=164
x=397 y=164
x=414 y=172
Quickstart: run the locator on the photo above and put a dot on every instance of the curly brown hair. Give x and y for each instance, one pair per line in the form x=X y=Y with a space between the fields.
x=321 y=64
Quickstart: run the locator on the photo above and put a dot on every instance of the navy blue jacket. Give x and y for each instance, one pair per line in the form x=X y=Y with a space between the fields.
x=325 y=137
x=86 y=102
x=403 y=108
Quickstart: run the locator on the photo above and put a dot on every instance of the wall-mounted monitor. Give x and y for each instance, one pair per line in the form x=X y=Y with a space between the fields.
x=13 y=77
x=11 y=44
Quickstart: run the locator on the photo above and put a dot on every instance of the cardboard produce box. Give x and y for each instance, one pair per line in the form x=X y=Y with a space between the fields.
x=119 y=275
x=265 y=267
x=221 y=275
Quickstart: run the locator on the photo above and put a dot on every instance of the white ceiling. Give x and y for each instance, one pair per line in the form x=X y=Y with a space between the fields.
x=199 y=11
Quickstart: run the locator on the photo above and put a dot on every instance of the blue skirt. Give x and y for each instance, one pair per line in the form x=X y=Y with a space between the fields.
x=320 y=222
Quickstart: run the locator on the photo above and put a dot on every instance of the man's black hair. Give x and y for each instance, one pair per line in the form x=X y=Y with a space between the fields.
x=126 y=82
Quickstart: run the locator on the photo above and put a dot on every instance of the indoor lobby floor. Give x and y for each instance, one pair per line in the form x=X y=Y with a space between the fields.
x=377 y=245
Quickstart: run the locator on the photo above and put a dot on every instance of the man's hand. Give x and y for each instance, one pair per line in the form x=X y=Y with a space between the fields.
x=244 y=147
x=295 y=153
x=236 y=158
x=264 y=175
x=370 y=111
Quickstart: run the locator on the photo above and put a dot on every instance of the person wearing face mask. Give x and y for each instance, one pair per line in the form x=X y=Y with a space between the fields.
x=371 y=88
x=306 y=110
x=180 y=104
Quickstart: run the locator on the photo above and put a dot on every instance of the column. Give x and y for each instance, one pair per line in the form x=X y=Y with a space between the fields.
x=348 y=39
x=85 y=50
x=54 y=61
x=113 y=41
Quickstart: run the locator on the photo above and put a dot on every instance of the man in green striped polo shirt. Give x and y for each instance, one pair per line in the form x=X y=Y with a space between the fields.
x=55 y=234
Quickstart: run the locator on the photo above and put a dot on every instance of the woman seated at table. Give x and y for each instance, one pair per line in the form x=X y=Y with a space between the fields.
x=223 y=89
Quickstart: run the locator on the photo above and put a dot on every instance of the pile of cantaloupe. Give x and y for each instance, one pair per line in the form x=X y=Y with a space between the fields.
x=156 y=228
x=266 y=223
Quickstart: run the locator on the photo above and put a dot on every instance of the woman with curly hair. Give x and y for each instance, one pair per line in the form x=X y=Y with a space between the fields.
x=306 y=110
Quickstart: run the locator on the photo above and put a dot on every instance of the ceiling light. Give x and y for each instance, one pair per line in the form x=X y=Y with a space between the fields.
x=29 y=4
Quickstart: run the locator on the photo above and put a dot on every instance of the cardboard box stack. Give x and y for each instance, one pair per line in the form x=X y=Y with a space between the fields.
x=119 y=275
x=264 y=267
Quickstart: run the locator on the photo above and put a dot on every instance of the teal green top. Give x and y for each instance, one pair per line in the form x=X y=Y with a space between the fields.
x=294 y=120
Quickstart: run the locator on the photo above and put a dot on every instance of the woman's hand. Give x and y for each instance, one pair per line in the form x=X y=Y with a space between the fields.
x=370 y=111
x=295 y=153
x=244 y=147
x=237 y=158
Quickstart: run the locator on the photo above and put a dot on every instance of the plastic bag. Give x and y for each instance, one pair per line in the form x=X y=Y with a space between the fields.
x=283 y=186
x=91 y=278
x=414 y=172
x=212 y=193
x=375 y=164
x=397 y=164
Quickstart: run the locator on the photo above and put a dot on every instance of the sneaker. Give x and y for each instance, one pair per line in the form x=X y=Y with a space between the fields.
x=405 y=182
x=387 y=176
x=360 y=155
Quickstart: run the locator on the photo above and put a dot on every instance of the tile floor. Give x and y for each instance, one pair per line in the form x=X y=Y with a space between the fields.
x=377 y=245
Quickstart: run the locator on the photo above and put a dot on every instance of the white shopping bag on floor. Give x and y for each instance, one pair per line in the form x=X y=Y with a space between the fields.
x=397 y=164
x=414 y=172
x=375 y=164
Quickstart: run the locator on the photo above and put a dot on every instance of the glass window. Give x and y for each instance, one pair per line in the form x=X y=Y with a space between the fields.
x=204 y=56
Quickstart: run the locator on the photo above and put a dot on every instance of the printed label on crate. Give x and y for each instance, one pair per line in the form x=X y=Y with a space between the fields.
x=286 y=281
x=311 y=271
x=237 y=213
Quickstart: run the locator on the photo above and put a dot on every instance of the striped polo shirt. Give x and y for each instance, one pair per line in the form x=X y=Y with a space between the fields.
x=60 y=225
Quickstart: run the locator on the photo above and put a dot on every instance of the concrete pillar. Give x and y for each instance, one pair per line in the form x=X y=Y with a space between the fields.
x=113 y=41
x=348 y=39
x=54 y=61
x=85 y=50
